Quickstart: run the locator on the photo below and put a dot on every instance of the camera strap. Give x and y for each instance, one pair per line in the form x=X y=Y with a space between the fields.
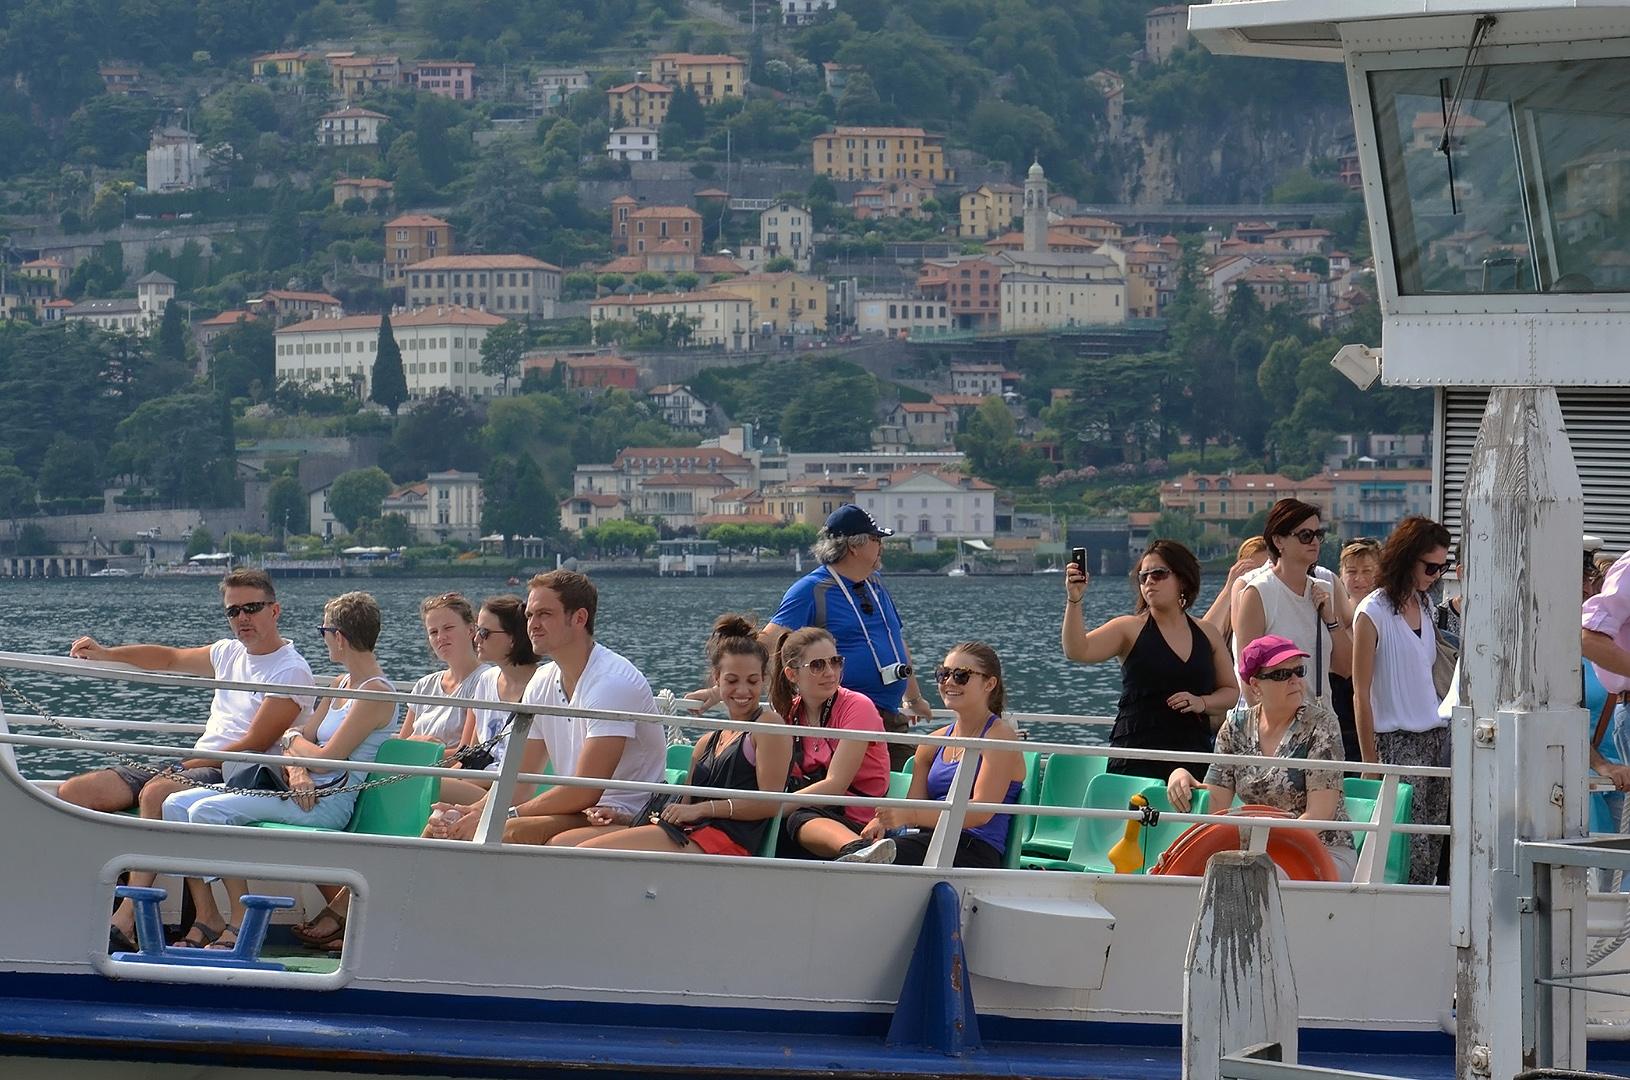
x=877 y=601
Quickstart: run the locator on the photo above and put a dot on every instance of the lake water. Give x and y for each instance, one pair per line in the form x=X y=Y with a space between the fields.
x=658 y=623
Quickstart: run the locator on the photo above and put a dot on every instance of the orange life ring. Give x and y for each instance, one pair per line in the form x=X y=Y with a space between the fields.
x=1297 y=852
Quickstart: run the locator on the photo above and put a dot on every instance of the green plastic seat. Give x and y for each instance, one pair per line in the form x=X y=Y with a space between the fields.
x=772 y=836
x=1063 y=783
x=899 y=784
x=676 y=776
x=679 y=755
x=911 y=763
x=1361 y=796
x=399 y=809
x=1019 y=824
x=1095 y=836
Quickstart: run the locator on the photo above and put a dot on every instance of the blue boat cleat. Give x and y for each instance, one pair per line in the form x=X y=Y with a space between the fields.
x=245 y=954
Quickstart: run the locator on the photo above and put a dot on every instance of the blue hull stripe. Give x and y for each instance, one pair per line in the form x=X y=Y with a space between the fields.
x=88 y=1017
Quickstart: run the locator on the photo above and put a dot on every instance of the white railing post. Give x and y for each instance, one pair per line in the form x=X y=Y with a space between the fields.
x=1372 y=861
x=496 y=812
x=948 y=833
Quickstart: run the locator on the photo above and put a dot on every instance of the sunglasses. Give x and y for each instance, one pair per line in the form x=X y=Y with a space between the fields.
x=1154 y=573
x=482 y=633
x=1433 y=569
x=1309 y=536
x=325 y=630
x=958 y=675
x=254 y=608
x=820 y=664
x=1284 y=674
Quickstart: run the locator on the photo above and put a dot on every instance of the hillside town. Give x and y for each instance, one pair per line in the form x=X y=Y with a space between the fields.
x=967 y=291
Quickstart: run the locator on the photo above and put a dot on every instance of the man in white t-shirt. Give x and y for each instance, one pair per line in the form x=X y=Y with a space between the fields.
x=560 y=610
x=239 y=720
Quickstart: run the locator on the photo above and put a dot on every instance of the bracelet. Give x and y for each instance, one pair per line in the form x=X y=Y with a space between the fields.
x=514 y=812
x=1332 y=626
x=1068 y=601
x=731 y=804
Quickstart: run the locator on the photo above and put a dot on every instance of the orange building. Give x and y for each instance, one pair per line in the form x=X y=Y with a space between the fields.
x=636 y=229
x=413 y=238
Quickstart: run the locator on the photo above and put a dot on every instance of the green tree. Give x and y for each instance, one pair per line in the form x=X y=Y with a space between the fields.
x=172 y=335
x=72 y=469
x=685 y=112
x=621 y=535
x=244 y=359
x=281 y=247
x=31 y=540
x=517 y=500
x=779 y=264
x=357 y=494
x=16 y=490
x=501 y=352
x=389 y=379
x=406 y=170
x=442 y=432
x=1171 y=525
x=685 y=281
x=832 y=412
x=200 y=542
x=178 y=444
x=287 y=507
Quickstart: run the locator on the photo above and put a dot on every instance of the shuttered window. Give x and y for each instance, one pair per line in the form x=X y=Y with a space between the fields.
x=1598 y=423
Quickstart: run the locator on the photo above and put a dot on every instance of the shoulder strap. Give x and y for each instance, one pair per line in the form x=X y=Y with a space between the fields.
x=1602 y=720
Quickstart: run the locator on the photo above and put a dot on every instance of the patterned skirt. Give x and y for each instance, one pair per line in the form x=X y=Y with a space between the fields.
x=1431 y=804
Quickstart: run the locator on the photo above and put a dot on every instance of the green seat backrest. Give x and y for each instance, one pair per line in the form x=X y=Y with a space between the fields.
x=1064 y=782
x=1360 y=796
x=899 y=784
x=772 y=835
x=1019 y=824
x=679 y=755
x=401 y=808
x=1095 y=836
x=911 y=763
x=1155 y=841
x=676 y=776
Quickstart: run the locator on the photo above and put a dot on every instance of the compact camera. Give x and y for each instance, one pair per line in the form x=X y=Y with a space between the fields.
x=893 y=673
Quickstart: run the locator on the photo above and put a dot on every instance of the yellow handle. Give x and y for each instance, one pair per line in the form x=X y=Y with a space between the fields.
x=1127 y=854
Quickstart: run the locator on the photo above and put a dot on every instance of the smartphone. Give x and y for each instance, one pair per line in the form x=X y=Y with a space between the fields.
x=1079 y=557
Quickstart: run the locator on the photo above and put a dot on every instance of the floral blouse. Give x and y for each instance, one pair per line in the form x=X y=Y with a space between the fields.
x=1313 y=735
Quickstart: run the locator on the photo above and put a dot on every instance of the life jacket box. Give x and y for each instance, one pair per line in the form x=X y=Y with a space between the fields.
x=1038 y=941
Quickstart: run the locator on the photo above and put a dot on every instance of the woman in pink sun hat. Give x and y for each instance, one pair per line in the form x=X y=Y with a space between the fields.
x=1285 y=723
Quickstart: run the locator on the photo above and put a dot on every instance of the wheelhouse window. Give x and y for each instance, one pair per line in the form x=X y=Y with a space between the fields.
x=1524 y=188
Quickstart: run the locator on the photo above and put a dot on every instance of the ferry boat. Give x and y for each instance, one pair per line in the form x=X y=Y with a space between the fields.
x=487 y=959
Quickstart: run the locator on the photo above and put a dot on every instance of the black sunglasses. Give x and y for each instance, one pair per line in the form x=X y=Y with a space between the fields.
x=958 y=675
x=1433 y=569
x=252 y=608
x=323 y=630
x=1284 y=674
x=820 y=664
x=482 y=633
x=1154 y=573
x=1309 y=536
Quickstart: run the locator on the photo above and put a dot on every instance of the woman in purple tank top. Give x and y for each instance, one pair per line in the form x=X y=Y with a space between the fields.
x=970 y=684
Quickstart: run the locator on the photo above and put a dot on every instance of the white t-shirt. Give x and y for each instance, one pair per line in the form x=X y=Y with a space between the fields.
x=1402 y=695
x=232 y=710
x=608 y=681
x=489 y=722
x=444 y=723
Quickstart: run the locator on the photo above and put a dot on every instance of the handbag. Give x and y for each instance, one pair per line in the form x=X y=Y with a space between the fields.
x=253 y=776
x=1448 y=655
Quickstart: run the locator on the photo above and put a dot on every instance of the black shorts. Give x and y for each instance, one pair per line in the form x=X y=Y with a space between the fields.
x=971 y=851
x=795 y=820
x=138 y=778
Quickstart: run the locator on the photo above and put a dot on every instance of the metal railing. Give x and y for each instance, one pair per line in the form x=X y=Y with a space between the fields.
x=952 y=811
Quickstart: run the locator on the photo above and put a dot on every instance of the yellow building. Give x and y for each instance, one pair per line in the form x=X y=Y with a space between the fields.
x=713 y=76
x=881 y=153
x=989 y=210
x=784 y=300
x=642 y=104
x=808 y=502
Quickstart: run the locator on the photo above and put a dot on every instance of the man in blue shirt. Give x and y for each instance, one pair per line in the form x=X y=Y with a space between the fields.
x=846 y=596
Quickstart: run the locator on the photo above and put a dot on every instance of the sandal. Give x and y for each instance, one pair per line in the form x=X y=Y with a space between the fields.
x=119 y=941
x=307 y=933
x=225 y=939
x=206 y=937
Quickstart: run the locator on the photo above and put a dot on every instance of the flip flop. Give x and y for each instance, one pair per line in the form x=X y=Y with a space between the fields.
x=119 y=941
x=330 y=940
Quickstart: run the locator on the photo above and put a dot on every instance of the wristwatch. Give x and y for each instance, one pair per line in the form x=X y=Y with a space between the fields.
x=514 y=811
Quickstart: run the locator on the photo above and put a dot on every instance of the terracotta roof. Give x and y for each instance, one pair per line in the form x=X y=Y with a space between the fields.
x=432 y=316
x=958 y=400
x=574 y=362
x=594 y=498
x=648 y=87
x=45 y=264
x=664 y=211
x=711 y=193
x=364 y=181
x=410 y=220
x=905 y=132
x=648 y=299
x=698 y=58
x=230 y=318
x=309 y=297
x=899 y=476
x=690 y=479
x=483 y=262
x=718 y=264
x=922 y=407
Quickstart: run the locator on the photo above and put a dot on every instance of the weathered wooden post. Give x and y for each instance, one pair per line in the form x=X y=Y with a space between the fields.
x=1520 y=757
x=1238 y=986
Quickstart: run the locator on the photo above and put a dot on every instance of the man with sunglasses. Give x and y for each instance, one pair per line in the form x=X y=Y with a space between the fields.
x=846 y=597
x=239 y=720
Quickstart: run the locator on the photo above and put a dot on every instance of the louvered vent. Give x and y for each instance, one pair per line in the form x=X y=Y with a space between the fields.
x=1598 y=423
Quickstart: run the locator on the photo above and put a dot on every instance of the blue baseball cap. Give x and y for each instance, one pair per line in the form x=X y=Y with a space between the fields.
x=851 y=520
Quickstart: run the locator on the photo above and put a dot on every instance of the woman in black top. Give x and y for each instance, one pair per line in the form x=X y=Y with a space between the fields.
x=745 y=761
x=1176 y=674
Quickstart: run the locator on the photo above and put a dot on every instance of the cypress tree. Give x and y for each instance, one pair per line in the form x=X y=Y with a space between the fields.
x=389 y=380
